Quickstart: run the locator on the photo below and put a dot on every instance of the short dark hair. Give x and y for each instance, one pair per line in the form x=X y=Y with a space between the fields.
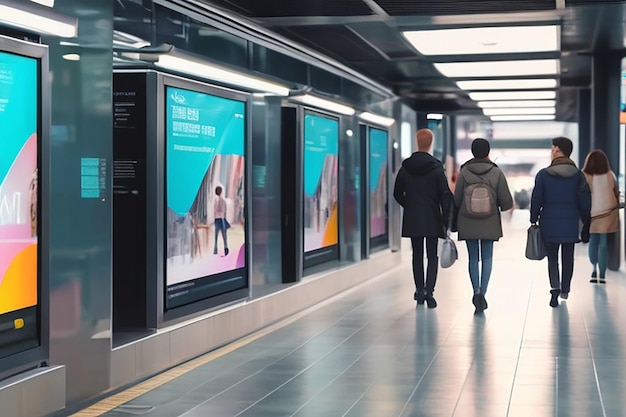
x=218 y=190
x=564 y=144
x=480 y=148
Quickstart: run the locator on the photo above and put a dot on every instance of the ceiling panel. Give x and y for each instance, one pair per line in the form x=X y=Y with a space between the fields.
x=459 y=7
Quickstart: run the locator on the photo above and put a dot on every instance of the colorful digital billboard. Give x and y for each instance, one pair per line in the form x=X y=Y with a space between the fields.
x=378 y=145
x=19 y=285
x=321 y=143
x=205 y=192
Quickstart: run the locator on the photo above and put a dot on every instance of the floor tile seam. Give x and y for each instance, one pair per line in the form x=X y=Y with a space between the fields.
x=521 y=345
x=593 y=361
x=469 y=369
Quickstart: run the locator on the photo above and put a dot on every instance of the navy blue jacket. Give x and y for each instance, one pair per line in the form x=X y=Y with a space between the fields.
x=560 y=201
x=422 y=189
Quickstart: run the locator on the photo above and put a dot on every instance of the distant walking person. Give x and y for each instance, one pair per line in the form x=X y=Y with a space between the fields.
x=221 y=224
x=560 y=200
x=481 y=193
x=421 y=188
x=604 y=210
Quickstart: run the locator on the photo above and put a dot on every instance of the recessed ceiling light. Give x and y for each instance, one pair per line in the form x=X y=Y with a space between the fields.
x=522 y=117
x=516 y=103
x=513 y=95
x=523 y=110
x=510 y=84
x=499 y=68
x=485 y=40
x=71 y=57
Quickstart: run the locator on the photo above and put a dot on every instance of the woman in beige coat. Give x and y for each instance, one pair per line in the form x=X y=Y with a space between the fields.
x=604 y=210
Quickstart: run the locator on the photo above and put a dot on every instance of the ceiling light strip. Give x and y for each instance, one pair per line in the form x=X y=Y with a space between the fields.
x=219 y=74
x=513 y=95
x=499 y=68
x=516 y=103
x=527 y=117
x=485 y=40
x=509 y=84
x=38 y=19
x=376 y=119
x=519 y=111
x=325 y=104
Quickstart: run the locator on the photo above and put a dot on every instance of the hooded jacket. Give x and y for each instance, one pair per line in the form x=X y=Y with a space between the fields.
x=421 y=188
x=560 y=200
x=482 y=170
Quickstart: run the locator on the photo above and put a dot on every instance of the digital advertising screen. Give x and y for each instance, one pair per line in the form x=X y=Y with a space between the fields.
x=205 y=194
x=19 y=284
x=378 y=145
x=321 y=143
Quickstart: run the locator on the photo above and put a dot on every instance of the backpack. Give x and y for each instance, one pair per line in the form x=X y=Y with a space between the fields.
x=479 y=200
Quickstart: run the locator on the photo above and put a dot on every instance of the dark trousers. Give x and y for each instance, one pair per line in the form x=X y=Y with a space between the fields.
x=560 y=281
x=418 y=263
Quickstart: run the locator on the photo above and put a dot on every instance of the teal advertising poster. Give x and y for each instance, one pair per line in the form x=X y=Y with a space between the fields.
x=321 y=143
x=205 y=140
x=378 y=181
x=19 y=104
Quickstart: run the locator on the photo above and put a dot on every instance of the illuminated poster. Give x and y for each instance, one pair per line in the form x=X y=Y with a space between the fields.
x=205 y=136
x=378 y=182
x=321 y=142
x=18 y=190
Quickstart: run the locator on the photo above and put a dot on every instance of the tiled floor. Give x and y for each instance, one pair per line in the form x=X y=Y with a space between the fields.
x=373 y=353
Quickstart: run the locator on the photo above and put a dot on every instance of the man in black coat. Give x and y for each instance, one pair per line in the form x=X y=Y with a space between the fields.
x=421 y=188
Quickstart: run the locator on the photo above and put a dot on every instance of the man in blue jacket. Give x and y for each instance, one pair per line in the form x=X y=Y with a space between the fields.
x=560 y=200
x=421 y=188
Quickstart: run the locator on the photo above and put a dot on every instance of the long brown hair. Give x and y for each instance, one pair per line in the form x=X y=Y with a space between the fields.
x=596 y=163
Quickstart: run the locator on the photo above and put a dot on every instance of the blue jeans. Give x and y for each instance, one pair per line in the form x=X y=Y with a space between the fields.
x=599 y=251
x=220 y=226
x=480 y=280
x=418 y=263
x=563 y=282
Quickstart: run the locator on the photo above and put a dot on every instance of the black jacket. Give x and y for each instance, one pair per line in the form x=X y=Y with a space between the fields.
x=422 y=189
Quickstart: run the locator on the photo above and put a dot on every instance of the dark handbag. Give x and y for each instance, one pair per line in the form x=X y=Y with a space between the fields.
x=535 y=248
x=449 y=253
x=226 y=224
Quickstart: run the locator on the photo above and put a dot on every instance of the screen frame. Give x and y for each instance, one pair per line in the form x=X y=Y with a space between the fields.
x=380 y=241
x=157 y=181
x=327 y=253
x=38 y=355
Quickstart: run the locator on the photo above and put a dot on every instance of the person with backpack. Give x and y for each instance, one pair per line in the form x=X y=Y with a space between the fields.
x=481 y=193
x=421 y=188
x=560 y=201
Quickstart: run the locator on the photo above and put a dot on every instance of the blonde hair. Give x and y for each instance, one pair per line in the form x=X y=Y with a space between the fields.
x=424 y=139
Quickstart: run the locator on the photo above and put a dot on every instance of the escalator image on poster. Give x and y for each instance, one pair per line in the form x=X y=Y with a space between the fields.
x=18 y=203
x=321 y=143
x=205 y=136
x=378 y=182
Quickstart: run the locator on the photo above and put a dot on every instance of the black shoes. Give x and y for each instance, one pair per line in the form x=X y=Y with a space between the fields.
x=554 y=297
x=430 y=301
x=594 y=279
x=480 y=304
x=226 y=251
x=419 y=297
